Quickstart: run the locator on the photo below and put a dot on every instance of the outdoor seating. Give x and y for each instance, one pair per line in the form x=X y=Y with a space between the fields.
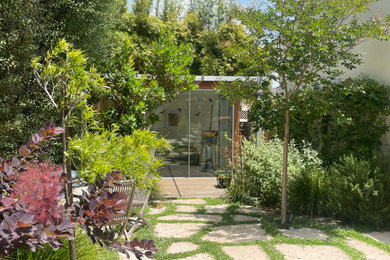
x=129 y=189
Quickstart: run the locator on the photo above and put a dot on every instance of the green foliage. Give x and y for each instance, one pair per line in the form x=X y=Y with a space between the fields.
x=211 y=14
x=133 y=96
x=85 y=250
x=360 y=194
x=304 y=42
x=142 y=7
x=257 y=173
x=340 y=119
x=22 y=107
x=99 y=153
x=28 y=28
x=65 y=79
x=356 y=121
x=310 y=192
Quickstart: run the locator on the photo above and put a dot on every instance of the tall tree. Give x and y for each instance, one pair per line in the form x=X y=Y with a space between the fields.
x=212 y=14
x=142 y=8
x=307 y=43
x=67 y=82
x=27 y=29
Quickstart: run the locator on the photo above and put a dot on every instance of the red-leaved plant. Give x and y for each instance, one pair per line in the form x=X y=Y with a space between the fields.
x=31 y=213
x=39 y=188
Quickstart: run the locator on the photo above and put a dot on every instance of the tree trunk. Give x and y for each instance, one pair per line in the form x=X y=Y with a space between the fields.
x=285 y=164
x=69 y=194
x=67 y=170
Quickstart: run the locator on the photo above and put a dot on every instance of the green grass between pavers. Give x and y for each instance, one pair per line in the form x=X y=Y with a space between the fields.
x=271 y=224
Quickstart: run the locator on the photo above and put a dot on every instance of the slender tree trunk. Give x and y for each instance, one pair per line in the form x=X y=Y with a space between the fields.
x=67 y=170
x=285 y=164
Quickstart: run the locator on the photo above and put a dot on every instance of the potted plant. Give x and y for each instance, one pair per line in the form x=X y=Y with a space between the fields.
x=223 y=178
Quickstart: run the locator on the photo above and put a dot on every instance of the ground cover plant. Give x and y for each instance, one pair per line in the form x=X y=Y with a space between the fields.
x=336 y=235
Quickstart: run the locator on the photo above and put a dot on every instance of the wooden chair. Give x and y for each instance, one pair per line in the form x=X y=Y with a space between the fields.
x=129 y=188
x=143 y=202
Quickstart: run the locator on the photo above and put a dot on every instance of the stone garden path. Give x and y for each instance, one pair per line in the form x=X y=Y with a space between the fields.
x=193 y=230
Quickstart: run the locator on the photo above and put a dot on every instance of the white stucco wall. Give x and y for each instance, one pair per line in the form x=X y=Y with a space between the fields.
x=376 y=58
x=376 y=54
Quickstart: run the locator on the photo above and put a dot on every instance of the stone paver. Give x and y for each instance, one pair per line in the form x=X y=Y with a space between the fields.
x=305 y=233
x=295 y=252
x=178 y=230
x=219 y=209
x=181 y=247
x=370 y=251
x=132 y=256
x=384 y=237
x=237 y=233
x=238 y=218
x=190 y=209
x=202 y=256
x=245 y=252
x=157 y=210
x=250 y=209
x=188 y=201
x=192 y=217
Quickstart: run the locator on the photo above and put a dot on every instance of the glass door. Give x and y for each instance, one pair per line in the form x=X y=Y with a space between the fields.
x=210 y=120
x=195 y=124
x=173 y=126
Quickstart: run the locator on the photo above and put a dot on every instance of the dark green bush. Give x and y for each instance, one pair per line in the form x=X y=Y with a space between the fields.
x=309 y=192
x=360 y=192
x=337 y=120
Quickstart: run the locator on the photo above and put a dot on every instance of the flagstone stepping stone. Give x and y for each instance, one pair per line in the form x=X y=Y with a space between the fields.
x=132 y=256
x=301 y=252
x=192 y=217
x=219 y=209
x=238 y=218
x=304 y=233
x=383 y=237
x=178 y=230
x=203 y=256
x=245 y=252
x=250 y=209
x=237 y=233
x=190 y=209
x=181 y=247
x=188 y=201
x=157 y=210
x=371 y=252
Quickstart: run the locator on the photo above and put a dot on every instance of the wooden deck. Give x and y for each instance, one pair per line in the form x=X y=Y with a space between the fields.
x=190 y=187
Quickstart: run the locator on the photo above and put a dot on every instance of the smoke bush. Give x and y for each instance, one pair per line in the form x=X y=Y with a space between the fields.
x=39 y=188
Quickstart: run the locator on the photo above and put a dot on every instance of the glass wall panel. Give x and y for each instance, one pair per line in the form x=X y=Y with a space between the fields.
x=195 y=124
x=173 y=126
x=210 y=119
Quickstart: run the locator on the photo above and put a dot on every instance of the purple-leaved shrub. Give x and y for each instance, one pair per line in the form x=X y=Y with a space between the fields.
x=39 y=188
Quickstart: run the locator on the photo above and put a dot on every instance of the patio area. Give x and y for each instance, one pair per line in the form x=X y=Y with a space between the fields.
x=206 y=228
